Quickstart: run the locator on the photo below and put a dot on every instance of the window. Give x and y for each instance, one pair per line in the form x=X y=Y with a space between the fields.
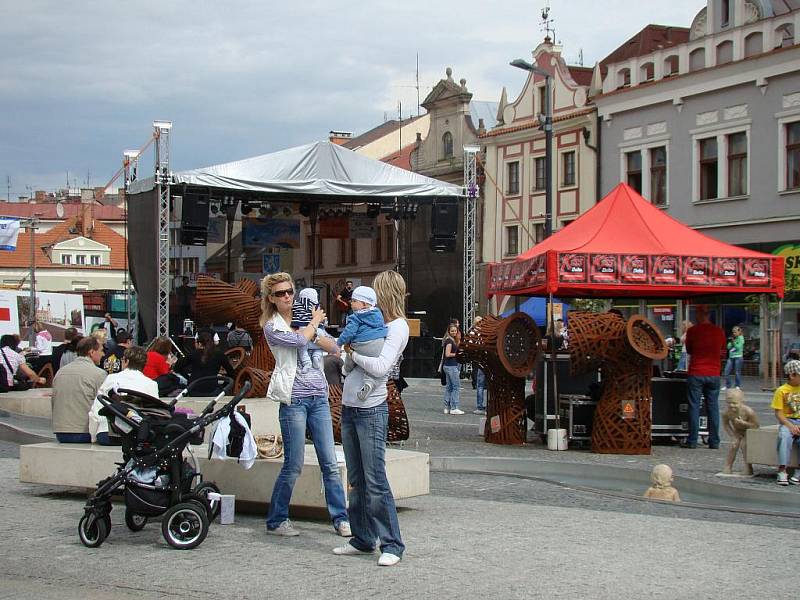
x=348 y=251
x=310 y=251
x=512 y=240
x=542 y=100
x=447 y=145
x=784 y=35
x=647 y=72
x=658 y=176
x=793 y=155
x=623 y=78
x=697 y=59
x=737 y=164
x=671 y=65
x=80 y=259
x=389 y=237
x=540 y=181
x=708 y=168
x=568 y=168
x=725 y=13
x=95 y=259
x=753 y=44
x=512 y=186
x=633 y=170
x=725 y=52
x=66 y=259
x=538 y=232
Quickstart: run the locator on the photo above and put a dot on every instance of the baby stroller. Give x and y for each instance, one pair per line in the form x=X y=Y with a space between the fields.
x=154 y=477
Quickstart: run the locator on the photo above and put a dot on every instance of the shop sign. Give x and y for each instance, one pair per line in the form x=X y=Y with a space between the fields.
x=791 y=254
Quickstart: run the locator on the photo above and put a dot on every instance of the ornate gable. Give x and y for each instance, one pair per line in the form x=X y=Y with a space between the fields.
x=447 y=91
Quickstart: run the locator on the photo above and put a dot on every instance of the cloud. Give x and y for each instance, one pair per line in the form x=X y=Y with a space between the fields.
x=80 y=84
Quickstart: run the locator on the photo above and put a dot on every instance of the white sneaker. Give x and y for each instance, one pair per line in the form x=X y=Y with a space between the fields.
x=350 y=550
x=388 y=560
x=723 y=388
x=782 y=479
x=447 y=411
x=343 y=529
x=284 y=529
x=453 y=411
x=794 y=479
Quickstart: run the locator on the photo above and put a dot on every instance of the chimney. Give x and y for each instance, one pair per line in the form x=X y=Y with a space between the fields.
x=340 y=137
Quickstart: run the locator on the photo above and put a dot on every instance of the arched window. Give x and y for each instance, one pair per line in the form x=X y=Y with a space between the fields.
x=753 y=44
x=697 y=59
x=646 y=72
x=784 y=35
x=447 y=144
x=623 y=78
x=724 y=52
x=671 y=65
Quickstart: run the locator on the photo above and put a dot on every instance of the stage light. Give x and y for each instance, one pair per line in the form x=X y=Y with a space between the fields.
x=264 y=209
x=214 y=207
x=373 y=210
x=246 y=208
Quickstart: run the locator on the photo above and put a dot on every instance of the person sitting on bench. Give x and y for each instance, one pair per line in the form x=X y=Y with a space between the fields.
x=74 y=389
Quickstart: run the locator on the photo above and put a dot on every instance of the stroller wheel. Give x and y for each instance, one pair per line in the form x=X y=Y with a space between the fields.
x=135 y=522
x=203 y=490
x=93 y=531
x=185 y=525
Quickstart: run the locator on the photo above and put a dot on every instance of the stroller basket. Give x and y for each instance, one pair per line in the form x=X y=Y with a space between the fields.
x=146 y=500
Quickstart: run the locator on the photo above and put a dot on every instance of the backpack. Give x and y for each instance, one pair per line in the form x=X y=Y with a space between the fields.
x=3 y=380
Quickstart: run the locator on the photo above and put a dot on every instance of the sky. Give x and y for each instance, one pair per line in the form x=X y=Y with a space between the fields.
x=81 y=82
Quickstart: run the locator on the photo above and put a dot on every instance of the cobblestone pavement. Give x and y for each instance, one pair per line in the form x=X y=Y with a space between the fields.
x=459 y=545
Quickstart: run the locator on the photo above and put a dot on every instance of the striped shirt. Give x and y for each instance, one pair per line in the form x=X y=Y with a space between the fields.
x=310 y=383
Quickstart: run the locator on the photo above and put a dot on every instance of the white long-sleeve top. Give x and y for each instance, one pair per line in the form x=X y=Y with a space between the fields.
x=378 y=367
x=220 y=440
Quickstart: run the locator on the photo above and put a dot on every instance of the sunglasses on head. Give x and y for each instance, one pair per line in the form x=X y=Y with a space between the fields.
x=282 y=293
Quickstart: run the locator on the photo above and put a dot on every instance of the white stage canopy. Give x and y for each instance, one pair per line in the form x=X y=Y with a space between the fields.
x=321 y=168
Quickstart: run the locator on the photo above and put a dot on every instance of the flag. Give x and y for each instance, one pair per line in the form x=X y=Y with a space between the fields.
x=9 y=231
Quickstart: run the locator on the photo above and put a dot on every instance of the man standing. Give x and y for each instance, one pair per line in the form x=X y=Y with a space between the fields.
x=184 y=295
x=343 y=300
x=704 y=343
x=74 y=389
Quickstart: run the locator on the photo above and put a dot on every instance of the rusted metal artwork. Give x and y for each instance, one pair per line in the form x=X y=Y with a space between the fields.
x=398 y=430
x=236 y=357
x=46 y=372
x=506 y=350
x=623 y=351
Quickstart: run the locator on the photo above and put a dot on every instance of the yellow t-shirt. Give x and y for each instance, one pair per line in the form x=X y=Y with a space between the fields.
x=787 y=399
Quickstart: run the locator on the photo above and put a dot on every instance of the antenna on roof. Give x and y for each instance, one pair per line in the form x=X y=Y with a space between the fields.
x=580 y=57
x=417 y=83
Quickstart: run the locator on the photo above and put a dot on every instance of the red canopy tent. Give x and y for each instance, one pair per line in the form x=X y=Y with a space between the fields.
x=625 y=246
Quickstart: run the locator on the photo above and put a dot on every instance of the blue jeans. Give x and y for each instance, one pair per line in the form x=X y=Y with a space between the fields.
x=372 y=511
x=312 y=412
x=785 y=442
x=480 y=389
x=73 y=438
x=733 y=365
x=453 y=389
x=707 y=387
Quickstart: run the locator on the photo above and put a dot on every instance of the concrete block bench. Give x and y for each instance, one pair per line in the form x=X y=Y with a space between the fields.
x=762 y=447
x=83 y=465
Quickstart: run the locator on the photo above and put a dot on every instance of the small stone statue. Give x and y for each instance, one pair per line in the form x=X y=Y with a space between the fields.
x=661 y=485
x=736 y=420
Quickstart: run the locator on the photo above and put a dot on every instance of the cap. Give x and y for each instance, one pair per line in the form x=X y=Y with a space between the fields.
x=310 y=294
x=365 y=294
x=792 y=367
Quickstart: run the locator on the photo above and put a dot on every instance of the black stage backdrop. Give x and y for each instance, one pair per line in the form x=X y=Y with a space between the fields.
x=143 y=258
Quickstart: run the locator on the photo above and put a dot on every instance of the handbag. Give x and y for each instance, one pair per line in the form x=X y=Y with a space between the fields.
x=269 y=445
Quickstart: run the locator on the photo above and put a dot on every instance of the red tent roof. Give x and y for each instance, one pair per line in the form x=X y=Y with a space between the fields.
x=625 y=246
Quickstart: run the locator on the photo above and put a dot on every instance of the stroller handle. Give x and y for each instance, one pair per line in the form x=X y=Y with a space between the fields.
x=209 y=417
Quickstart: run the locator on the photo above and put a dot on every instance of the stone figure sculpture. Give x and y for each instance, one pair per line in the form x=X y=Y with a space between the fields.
x=661 y=485
x=736 y=420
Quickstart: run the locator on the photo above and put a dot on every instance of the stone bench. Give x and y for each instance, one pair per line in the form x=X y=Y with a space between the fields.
x=762 y=447
x=83 y=465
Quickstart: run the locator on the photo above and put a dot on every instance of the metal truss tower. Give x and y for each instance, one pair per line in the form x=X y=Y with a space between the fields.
x=162 y=180
x=470 y=226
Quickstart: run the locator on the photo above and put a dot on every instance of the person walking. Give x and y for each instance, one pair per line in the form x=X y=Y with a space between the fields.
x=735 y=358
x=373 y=514
x=704 y=343
x=303 y=397
x=452 y=391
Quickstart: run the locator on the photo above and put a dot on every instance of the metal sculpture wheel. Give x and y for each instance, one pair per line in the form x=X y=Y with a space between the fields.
x=506 y=350
x=624 y=351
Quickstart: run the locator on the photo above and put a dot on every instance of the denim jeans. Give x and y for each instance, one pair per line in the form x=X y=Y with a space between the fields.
x=733 y=365
x=372 y=510
x=480 y=389
x=453 y=389
x=314 y=413
x=73 y=438
x=785 y=441
x=707 y=387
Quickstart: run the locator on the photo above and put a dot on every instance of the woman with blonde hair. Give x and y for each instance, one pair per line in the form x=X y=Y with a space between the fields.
x=303 y=397
x=372 y=511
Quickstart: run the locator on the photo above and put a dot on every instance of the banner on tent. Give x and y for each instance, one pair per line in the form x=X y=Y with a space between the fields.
x=283 y=233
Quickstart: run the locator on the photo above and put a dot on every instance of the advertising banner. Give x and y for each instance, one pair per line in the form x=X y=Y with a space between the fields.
x=604 y=268
x=756 y=272
x=363 y=227
x=572 y=268
x=283 y=233
x=665 y=270
x=696 y=270
x=334 y=228
x=9 y=232
x=633 y=268
x=725 y=271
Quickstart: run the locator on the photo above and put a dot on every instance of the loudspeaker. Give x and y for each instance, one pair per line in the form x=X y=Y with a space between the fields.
x=194 y=220
x=444 y=219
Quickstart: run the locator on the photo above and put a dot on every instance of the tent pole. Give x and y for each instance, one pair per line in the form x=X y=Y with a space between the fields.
x=553 y=365
x=764 y=345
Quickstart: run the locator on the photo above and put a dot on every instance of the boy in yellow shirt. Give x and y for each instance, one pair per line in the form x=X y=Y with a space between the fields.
x=786 y=403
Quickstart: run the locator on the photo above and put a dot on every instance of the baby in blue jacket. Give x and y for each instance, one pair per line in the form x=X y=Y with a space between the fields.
x=365 y=332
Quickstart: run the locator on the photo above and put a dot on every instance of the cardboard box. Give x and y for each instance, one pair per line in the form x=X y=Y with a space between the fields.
x=413 y=327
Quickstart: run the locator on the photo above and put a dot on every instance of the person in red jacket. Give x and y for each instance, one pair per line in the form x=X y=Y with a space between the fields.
x=704 y=343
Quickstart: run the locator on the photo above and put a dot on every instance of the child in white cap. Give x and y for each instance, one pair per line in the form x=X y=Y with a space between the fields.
x=310 y=355
x=786 y=404
x=365 y=332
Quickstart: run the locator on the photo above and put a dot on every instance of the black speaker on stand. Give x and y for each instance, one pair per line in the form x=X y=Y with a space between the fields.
x=444 y=225
x=194 y=219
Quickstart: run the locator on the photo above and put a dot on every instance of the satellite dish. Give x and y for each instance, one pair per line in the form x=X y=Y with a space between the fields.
x=60 y=210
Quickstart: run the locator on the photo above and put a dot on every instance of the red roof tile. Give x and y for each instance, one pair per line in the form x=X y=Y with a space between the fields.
x=402 y=158
x=649 y=39
x=47 y=210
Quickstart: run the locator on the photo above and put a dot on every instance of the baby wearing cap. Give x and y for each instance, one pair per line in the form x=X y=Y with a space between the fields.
x=365 y=332
x=311 y=354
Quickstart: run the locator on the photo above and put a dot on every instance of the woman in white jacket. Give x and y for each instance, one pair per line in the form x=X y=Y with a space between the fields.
x=373 y=514
x=304 y=404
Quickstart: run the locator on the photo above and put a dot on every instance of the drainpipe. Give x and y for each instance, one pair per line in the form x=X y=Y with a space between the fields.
x=596 y=149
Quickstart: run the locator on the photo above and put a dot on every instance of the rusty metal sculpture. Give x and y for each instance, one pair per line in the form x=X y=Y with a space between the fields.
x=398 y=430
x=506 y=350
x=624 y=351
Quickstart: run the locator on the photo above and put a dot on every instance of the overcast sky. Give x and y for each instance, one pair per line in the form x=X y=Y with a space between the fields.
x=82 y=81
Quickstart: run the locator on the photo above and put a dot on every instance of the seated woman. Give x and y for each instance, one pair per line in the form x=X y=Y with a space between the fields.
x=159 y=366
x=15 y=366
x=205 y=360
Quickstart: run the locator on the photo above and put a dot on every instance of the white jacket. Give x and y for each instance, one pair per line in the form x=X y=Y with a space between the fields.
x=282 y=380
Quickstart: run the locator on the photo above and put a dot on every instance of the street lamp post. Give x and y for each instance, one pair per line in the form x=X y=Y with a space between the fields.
x=546 y=122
